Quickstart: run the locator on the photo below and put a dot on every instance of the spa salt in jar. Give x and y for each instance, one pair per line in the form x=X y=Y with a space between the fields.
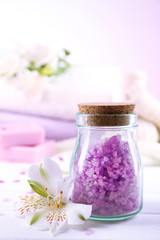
x=105 y=164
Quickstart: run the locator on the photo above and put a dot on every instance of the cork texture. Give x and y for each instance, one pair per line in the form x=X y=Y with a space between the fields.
x=106 y=108
x=114 y=113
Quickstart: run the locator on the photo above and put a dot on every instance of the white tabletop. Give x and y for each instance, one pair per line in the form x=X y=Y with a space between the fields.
x=145 y=225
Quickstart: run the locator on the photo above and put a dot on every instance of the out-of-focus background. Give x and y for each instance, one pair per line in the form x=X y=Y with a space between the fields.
x=122 y=33
x=57 y=53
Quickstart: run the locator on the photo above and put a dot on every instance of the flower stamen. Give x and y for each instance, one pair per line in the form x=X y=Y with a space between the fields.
x=61 y=195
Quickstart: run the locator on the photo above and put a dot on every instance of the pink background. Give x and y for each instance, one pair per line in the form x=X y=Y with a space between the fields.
x=122 y=33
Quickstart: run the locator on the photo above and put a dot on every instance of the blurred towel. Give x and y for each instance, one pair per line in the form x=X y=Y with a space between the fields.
x=147 y=131
x=149 y=152
x=56 y=129
x=59 y=98
x=135 y=89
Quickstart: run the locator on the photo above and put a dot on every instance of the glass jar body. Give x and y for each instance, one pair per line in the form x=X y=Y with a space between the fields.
x=107 y=172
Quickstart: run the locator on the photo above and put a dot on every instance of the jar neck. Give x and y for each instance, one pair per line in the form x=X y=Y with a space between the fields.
x=106 y=121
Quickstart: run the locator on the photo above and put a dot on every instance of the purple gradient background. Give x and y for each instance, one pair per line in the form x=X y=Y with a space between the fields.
x=123 y=33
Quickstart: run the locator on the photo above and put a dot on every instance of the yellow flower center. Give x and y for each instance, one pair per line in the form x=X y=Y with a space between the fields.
x=55 y=202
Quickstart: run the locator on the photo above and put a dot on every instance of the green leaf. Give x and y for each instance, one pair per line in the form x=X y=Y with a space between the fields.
x=44 y=70
x=32 y=66
x=38 y=188
x=43 y=173
x=36 y=217
x=66 y=52
x=81 y=217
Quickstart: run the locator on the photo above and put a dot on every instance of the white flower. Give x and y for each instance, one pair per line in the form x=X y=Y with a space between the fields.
x=50 y=207
x=40 y=55
x=32 y=83
x=10 y=65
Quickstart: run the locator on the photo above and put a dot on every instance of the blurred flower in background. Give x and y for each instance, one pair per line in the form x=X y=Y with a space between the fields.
x=31 y=68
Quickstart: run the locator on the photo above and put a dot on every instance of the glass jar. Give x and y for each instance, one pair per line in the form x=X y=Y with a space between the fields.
x=106 y=166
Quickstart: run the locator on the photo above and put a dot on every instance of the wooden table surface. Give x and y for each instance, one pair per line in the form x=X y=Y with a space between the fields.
x=144 y=226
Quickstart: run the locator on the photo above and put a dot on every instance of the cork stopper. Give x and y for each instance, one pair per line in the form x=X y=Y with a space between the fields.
x=107 y=114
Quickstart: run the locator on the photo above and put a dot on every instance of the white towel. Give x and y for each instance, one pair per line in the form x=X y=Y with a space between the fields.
x=147 y=131
x=60 y=97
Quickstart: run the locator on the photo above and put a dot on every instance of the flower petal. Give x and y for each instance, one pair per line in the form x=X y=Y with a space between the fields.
x=41 y=224
x=36 y=217
x=66 y=186
x=58 y=222
x=52 y=169
x=48 y=174
x=37 y=188
x=30 y=204
x=43 y=173
x=34 y=174
x=78 y=213
x=54 y=175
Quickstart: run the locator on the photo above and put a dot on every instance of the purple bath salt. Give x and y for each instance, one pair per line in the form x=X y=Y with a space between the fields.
x=107 y=179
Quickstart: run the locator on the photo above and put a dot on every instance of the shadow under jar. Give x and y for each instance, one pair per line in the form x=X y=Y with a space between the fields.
x=106 y=165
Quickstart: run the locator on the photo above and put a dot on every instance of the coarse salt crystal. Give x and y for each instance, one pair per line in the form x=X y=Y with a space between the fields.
x=115 y=190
